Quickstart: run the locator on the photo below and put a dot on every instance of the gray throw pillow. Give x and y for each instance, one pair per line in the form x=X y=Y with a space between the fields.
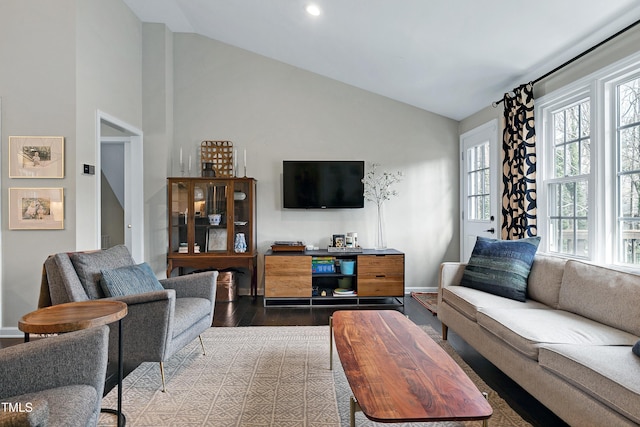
x=636 y=349
x=89 y=264
x=501 y=267
x=129 y=280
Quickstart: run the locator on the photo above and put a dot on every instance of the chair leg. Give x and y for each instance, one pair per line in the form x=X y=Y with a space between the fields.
x=204 y=353
x=162 y=375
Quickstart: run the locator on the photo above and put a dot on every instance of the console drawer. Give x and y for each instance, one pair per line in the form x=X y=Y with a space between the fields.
x=287 y=276
x=381 y=287
x=376 y=265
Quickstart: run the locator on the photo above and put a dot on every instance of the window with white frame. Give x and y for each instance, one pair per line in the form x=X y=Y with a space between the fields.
x=588 y=138
x=628 y=170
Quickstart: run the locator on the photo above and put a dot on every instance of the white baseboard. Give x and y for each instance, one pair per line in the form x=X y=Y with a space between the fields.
x=11 y=332
x=408 y=291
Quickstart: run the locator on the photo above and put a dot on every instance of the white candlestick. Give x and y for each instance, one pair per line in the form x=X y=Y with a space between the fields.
x=245 y=158
x=180 y=156
x=189 y=164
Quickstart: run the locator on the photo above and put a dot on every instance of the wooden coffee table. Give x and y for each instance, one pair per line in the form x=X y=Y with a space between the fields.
x=74 y=316
x=397 y=373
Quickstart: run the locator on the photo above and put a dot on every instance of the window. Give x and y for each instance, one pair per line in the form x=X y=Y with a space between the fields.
x=589 y=166
x=479 y=184
x=628 y=170
x=568 y=188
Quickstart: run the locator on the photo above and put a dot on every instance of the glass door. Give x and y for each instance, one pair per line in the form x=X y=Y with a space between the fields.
x=212 y=224
x=178 y=238
x=242 y=218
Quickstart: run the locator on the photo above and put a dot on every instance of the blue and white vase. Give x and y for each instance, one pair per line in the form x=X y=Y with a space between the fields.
x=240 y=245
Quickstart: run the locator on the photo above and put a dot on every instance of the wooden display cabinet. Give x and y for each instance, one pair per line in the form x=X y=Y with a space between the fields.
x=212 y=225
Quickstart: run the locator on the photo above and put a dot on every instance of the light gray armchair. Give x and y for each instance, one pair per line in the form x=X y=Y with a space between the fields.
x=55 y=381
x=158 y=323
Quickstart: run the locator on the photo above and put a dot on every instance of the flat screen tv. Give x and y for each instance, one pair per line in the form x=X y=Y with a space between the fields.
x=322 y=184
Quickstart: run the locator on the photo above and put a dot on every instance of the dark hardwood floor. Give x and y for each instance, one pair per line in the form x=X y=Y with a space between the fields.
x=248 y=311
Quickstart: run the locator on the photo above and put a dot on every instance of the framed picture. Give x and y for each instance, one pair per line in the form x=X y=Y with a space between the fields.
x=216 y=239
x=36 y=209
x=36 y=157
x=338 y=241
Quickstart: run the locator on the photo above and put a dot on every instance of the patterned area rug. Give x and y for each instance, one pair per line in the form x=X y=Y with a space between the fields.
x=428 y=299
x=258 y=376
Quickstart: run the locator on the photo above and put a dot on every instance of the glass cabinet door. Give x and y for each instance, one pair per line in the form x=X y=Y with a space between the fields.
x=242 y=216
x=212 y=217
x=179 y=217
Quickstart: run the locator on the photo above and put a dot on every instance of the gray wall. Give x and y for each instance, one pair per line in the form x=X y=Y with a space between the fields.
x=279 y=112
x=607 y=54
x=61 y=61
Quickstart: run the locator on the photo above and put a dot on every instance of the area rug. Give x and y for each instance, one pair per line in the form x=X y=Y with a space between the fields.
x=258 y=376
x=428 y=299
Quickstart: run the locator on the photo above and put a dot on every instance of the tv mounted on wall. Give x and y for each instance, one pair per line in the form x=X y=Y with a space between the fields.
x=322 y=184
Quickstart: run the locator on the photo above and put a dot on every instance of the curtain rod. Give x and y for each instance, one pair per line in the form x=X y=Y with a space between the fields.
x=574 y=59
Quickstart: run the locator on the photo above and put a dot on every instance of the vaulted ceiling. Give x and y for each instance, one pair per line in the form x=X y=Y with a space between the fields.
x=450 y=57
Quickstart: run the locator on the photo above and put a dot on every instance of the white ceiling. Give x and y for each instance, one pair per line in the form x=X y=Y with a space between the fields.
x=451 y=57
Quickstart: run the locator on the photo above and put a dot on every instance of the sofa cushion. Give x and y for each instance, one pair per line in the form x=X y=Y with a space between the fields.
x=468 y=301
x=89 y=264
x=501 y=267
x=527 y=330
x=608 y=373
x=545 y=279
x=129 y=280
x=602 y=294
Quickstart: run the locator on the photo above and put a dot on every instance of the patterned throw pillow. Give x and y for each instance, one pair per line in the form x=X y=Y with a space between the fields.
x=129 y=280
x=501 y=267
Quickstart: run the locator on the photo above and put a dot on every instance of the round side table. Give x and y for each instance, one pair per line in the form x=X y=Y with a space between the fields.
x=74 y=316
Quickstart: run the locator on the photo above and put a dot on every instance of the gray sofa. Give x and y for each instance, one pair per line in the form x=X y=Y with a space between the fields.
x=569 y=345
x=55 y=381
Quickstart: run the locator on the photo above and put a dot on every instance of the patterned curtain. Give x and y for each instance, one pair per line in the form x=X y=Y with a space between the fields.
x=519 y=165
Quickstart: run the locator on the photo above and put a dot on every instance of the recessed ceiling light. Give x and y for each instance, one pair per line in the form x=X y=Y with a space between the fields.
x=313 y=10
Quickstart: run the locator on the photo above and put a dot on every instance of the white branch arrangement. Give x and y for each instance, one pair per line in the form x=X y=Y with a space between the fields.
x=377 y=184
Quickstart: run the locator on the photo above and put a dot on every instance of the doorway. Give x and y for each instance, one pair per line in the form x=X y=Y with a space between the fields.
x=120 y=186
x=479 y=186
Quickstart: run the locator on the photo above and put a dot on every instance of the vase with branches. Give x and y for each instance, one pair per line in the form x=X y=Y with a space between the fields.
x=377 y=188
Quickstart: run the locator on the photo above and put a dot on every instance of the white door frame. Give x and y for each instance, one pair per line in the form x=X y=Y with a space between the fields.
x=133 y=183
x=486 y=132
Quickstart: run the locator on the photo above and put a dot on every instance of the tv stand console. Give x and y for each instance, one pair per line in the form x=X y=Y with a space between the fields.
x=377 y=279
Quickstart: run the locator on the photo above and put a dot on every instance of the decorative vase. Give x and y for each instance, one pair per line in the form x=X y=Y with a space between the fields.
x=240 y=244
x=381 y=242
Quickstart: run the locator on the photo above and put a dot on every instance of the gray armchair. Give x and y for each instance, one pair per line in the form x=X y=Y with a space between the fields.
x=55 y=381
x=158 y=323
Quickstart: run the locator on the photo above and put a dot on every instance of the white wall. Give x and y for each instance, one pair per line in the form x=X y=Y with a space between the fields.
x=279 y=112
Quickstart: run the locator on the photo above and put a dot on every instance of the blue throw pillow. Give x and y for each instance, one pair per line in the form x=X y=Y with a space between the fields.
x=129 y=280
x=636 y=349
x=501 y=267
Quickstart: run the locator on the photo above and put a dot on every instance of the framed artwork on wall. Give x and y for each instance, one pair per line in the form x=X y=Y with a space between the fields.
x=36 y=157
x=36 y=209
